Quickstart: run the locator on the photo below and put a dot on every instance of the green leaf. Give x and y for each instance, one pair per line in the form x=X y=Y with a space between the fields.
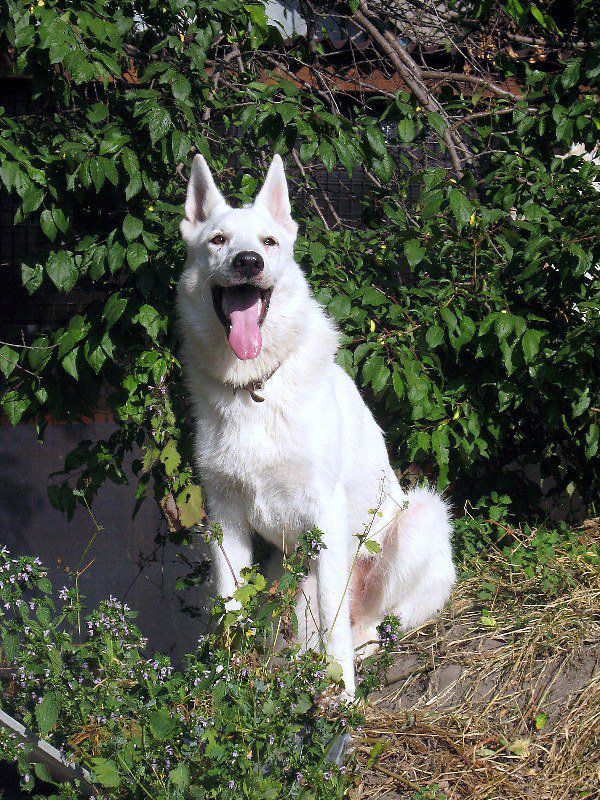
x=308 y=149
x=376 y=372
x=159 y=123
x=181 y=87
x=47 y=713
x=334 y=671
x=540 y=720
x=437 y=122
x=345 y=153
x=97 y=113
x=503 y=325
x=434 y=335
x=531 y=344
x=32 y=199
x=180 y=145
x=591 y=441
x=461 y=207
x=69 y=363
x=116 y=256
x=327 y=154
x=150 y=458
x=136 y=255
x=449 y=318
x=582 y=404
x=96 y=166
x=189 y=504
x=170 y=457
x=10 y=646
x=374 y=297
x=376 y=141
x=487 y=621
x=132 y=166
x=9 y=360
x=150 y=320
x=317 y=252
x=106 y=772
x=414 y=252
x=440 y=445
x=14 y=405
x=570 y=74
x=180 y=776
x=60 y=220
x=132 y=228
x=398 y=383
x=32 y=277
x=162 y=725
x=42 y=772
x=95 y=356
x=533 y=212
x=340 y=307
x=406 y=130
x=114 y=308
x=62 y=270
x=75 y=332
x=48 y=225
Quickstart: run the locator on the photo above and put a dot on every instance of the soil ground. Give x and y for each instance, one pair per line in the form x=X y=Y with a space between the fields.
x=500 y=699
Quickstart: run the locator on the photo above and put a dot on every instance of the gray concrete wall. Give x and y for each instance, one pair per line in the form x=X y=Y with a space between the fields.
x=120 y=552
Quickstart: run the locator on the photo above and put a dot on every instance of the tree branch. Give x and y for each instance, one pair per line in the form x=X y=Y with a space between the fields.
x=410 y=73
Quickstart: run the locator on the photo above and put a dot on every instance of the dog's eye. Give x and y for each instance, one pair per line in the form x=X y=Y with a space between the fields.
x=219 y=239
x=269 y=241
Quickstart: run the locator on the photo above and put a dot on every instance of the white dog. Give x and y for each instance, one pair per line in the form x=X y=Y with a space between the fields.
x=284 y=441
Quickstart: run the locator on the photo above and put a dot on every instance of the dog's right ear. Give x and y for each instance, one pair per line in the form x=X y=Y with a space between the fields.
x=202 y=196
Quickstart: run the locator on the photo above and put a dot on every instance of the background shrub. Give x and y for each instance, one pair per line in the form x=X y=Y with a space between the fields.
x=468 y=297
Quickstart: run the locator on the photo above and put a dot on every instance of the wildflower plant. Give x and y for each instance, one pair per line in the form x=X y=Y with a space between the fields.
x=239 y=717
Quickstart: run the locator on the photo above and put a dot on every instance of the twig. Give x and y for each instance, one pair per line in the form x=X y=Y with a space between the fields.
x=492 y=112
x=474 y=79
x=311 y=199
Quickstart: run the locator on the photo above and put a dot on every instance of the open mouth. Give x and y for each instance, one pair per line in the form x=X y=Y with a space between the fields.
x=242 y=310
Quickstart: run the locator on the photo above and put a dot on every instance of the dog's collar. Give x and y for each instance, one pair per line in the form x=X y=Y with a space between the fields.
x=254 y=387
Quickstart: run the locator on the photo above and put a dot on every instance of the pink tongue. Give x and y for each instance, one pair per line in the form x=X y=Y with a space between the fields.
x=242 y=305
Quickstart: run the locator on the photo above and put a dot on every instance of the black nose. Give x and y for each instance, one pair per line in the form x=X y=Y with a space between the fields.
x=248 y=263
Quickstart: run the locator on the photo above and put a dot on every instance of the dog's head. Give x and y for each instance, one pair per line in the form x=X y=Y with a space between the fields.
x=240 y=258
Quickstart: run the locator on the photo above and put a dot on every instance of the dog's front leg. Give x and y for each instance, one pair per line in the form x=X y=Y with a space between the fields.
x=332 y=578
x=234 y=552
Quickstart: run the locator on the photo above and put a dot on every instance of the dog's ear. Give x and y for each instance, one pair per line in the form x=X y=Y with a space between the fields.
x=202 y=196
x=274 y=196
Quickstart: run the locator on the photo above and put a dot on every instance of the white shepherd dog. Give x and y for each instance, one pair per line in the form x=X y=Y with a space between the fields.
x=284 y=441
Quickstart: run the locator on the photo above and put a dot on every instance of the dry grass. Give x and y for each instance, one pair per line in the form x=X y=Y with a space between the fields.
x=500 y=705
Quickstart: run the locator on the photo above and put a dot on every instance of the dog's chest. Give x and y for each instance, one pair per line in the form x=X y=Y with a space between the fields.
x=259 y=458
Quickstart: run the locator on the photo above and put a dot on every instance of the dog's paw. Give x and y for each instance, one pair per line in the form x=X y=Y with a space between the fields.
x=366 y=642
x=367 y=650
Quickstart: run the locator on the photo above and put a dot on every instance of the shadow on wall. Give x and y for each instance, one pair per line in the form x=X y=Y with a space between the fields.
x=124 y=558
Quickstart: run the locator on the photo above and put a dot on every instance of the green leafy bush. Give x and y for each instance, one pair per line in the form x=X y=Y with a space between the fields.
x=468 y=299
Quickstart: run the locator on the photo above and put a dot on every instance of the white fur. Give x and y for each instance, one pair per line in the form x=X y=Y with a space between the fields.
x=311 y=454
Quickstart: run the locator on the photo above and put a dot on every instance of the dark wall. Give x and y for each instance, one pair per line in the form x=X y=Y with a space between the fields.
x=127 y=562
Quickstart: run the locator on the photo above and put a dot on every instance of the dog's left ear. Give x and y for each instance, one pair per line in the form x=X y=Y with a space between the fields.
x=274 y=196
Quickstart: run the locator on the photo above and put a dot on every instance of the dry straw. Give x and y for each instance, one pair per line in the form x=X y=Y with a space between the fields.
x=500 y=699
